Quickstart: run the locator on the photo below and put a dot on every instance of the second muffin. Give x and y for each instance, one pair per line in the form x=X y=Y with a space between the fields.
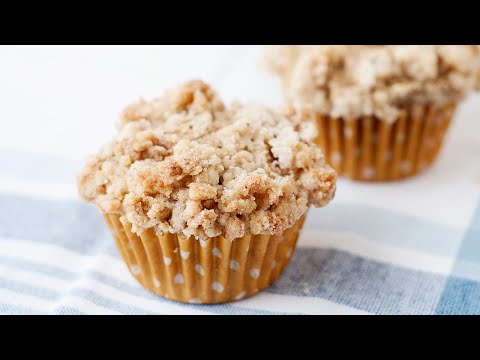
x=206 y=203
x=382 y=110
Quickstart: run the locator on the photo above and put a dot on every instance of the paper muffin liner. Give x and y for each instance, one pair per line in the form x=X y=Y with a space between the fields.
x=370 y=149
x=210 y=271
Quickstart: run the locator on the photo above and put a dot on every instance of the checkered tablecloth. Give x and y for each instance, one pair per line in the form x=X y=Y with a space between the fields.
x=411 y=247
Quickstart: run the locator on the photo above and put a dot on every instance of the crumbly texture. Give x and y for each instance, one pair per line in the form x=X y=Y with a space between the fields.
x=353 y=81
x=185 y=164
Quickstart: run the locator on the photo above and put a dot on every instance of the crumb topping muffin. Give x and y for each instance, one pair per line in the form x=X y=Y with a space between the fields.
x=186 y=164
x=351 y=81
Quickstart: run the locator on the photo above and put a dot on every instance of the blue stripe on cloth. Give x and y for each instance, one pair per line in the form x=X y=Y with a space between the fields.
x=34 y=266
x=71 y=224
x=461 y=297
x=67 y=310
x=107 y=280
x=11 y=309
x=388 y=227
x=28 y=289
x=462 y=291
x=39 y=168
x=359 y=283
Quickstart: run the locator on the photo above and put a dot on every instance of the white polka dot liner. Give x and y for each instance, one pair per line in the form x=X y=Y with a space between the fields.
x=369 y=149
x=208 y=271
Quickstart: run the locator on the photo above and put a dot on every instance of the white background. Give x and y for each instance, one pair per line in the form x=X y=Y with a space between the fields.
x=63 y=101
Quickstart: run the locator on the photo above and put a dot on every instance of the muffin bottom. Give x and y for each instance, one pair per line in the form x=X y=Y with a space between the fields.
x=210 y=271
x=369 y=149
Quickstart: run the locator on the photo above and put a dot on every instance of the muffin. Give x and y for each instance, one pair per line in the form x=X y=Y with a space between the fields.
x=382 y=110
x=205 y=202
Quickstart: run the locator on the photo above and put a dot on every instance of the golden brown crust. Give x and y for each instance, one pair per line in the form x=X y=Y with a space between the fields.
x=185 y=164
x=352 y=81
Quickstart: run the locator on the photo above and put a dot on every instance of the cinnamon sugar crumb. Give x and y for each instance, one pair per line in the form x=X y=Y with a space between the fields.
x=185 y=164
x=352 y=81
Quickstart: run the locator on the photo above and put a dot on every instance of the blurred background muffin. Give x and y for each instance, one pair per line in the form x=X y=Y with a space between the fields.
x=382 y=110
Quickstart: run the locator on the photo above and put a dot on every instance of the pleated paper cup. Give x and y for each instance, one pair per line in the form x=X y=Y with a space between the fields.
x=369 y=149
x=210 y=271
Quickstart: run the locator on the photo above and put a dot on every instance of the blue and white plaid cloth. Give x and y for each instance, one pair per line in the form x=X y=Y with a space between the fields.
x=411 y=247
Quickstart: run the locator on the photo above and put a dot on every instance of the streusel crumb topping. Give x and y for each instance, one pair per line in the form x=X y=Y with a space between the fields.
x=186 y=164
x=351 y=81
